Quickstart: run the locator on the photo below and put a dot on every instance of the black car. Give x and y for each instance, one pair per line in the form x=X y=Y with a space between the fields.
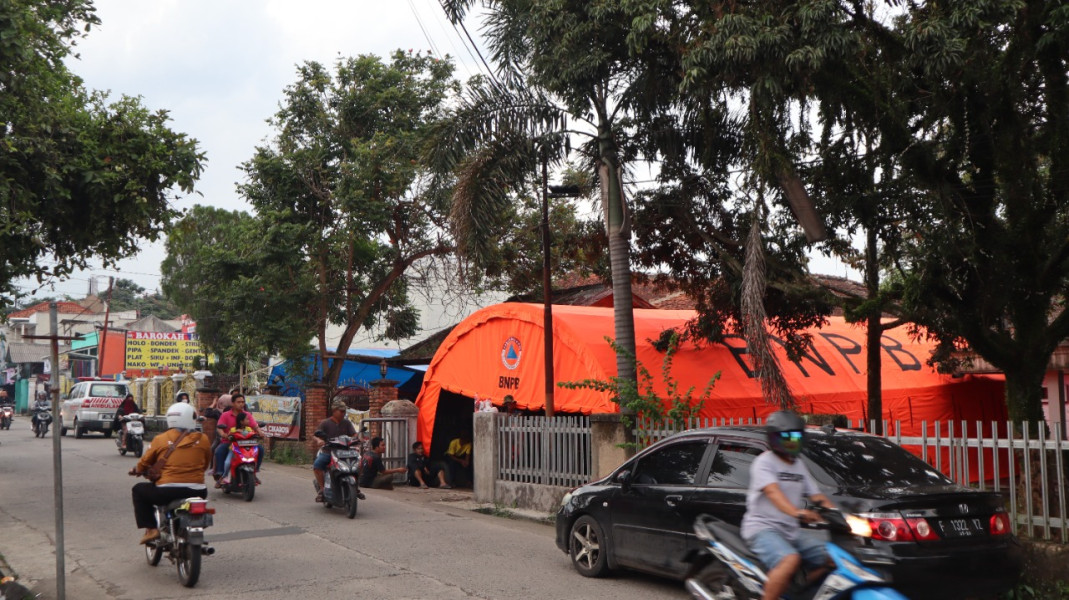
x=930 y=536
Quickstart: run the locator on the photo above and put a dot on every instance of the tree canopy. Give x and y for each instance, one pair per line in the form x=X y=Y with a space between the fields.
x=81 y=178
x=343 y=184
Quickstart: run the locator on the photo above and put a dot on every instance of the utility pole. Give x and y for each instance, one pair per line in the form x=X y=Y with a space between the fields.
x=547 y=289
x=57 y=455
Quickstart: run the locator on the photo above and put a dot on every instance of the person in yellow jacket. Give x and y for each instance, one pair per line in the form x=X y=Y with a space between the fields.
x=183 y=474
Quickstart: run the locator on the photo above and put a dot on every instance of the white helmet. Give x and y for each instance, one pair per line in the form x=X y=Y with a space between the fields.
x=180 y=416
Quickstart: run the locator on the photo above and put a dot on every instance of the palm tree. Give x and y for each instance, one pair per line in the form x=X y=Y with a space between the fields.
x=556 y=66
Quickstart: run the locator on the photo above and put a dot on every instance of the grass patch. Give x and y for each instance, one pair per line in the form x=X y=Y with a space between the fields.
x=289 y=454
x=508 y=512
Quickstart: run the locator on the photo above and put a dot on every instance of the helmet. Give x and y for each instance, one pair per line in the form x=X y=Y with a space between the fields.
x=182 y=396
x=180 y=416
x=786 y=433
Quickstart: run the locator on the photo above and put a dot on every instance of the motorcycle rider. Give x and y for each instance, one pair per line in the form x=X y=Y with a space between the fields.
x=129 y=407
x=39 y=405
x=228 y=420
x=183 y=473
x=771 y=525
x=333 y=426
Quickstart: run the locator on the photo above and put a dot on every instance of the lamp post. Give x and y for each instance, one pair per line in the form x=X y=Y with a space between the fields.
x=382 y=368
x=559 y=191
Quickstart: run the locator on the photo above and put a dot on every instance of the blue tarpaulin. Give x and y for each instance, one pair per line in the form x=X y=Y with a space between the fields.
x=353 y=373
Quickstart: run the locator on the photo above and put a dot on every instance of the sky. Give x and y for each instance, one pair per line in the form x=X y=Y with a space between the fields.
x=219 y=67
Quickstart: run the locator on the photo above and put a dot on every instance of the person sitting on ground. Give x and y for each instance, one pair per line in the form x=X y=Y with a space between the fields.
x=335 y=425
x=373 y=473
x=228 y=420
x=419 y=473
x=129 y=407
x=458 y=459
x=183 y=473
x=771 y=524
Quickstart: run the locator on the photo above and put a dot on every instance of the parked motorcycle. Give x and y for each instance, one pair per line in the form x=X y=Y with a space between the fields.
x=339 y=481
x=181 y=524
x=42 y=418
x=7 y=414
x=725 y=569
x=133 y=440
x=241 y=476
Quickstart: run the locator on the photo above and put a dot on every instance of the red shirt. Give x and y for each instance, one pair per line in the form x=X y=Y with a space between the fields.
x=229 y=419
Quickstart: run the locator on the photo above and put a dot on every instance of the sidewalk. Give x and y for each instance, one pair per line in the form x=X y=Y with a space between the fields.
x=459 y=498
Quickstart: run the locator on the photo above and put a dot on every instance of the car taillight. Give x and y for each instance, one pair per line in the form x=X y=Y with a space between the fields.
x=894 y=528
x=200 y=508
x=1000 y=524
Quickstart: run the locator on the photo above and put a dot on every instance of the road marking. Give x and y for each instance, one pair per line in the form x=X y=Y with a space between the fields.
x=254 y=533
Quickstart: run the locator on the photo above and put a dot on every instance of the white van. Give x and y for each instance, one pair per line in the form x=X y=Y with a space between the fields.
x=91 y=406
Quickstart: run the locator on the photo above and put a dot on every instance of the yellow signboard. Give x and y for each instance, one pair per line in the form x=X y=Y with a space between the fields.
x=155 y=350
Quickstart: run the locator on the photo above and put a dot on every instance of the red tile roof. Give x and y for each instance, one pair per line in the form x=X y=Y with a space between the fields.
x=62 y=306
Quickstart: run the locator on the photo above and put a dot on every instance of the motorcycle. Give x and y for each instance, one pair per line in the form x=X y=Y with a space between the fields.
x=133 y=440
x=241 y=476
x=726 y=569
x=339 y=482
x=7 y=414
x=42 y=418
x=181 y=524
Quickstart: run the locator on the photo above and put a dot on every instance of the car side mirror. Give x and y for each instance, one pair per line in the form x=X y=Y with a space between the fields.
x=624 y=479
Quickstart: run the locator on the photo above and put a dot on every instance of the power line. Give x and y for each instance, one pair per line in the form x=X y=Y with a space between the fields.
x=426 y=35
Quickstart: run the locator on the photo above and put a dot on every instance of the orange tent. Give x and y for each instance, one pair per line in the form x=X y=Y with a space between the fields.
x=499 y=351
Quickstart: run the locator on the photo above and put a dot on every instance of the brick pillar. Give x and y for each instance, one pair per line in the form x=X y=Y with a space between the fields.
x=382 y=391
x=314 y=410
x=206 y=397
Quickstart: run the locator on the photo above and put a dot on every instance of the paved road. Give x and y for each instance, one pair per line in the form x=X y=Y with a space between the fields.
x=403 y=544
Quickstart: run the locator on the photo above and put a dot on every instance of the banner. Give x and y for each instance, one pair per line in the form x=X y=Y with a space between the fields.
x=153 y=350
x=277 y=416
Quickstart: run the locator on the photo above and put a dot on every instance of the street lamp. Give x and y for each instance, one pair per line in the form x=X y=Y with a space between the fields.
x=559 y=191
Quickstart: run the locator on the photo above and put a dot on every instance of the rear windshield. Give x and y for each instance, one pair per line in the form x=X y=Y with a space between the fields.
x=107 y=390
x=855 y=461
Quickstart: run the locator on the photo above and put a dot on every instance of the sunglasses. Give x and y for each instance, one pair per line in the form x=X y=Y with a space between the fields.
x=793 y=436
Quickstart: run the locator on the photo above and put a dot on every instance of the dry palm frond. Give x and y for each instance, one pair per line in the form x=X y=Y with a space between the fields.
x=766 y=365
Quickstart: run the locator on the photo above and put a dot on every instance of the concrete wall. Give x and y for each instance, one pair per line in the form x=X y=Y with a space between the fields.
x=611 y=445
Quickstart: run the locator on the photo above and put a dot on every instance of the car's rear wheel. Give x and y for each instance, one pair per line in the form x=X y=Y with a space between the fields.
x=78 y=431
x=587 y=547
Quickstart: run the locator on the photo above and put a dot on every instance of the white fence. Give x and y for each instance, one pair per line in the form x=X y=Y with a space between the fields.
x=1029 y=470
x=545 y=451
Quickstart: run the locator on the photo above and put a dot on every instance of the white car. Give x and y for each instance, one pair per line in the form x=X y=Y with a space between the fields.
x=91 y=406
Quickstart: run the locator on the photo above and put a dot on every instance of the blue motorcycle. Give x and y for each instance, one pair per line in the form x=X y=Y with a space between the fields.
x=725 y=569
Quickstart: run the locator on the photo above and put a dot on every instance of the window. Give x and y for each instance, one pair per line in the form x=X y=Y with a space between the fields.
x=731 y=466
x=676 y=464
x=108 y=390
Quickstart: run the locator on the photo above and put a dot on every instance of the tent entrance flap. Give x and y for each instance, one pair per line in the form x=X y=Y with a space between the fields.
x=453 y=417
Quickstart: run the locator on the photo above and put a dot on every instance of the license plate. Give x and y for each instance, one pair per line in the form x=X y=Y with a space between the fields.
x=106 y=424
x=346 y=454
x=959 y=528
x=247 y=443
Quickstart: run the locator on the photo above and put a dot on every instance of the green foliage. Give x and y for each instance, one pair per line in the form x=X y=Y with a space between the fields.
x=128 y=295
x=345 y=198
x=640 y=398
x=239 y=280
x=290 y=453
x=1049 y=590
x=80 y=178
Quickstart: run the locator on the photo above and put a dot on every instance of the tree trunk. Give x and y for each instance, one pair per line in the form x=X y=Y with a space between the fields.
x=1024 y=391
x=874 y=331
x=618 y=228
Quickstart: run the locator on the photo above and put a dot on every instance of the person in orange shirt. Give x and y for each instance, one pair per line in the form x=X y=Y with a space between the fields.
x=183 y=474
